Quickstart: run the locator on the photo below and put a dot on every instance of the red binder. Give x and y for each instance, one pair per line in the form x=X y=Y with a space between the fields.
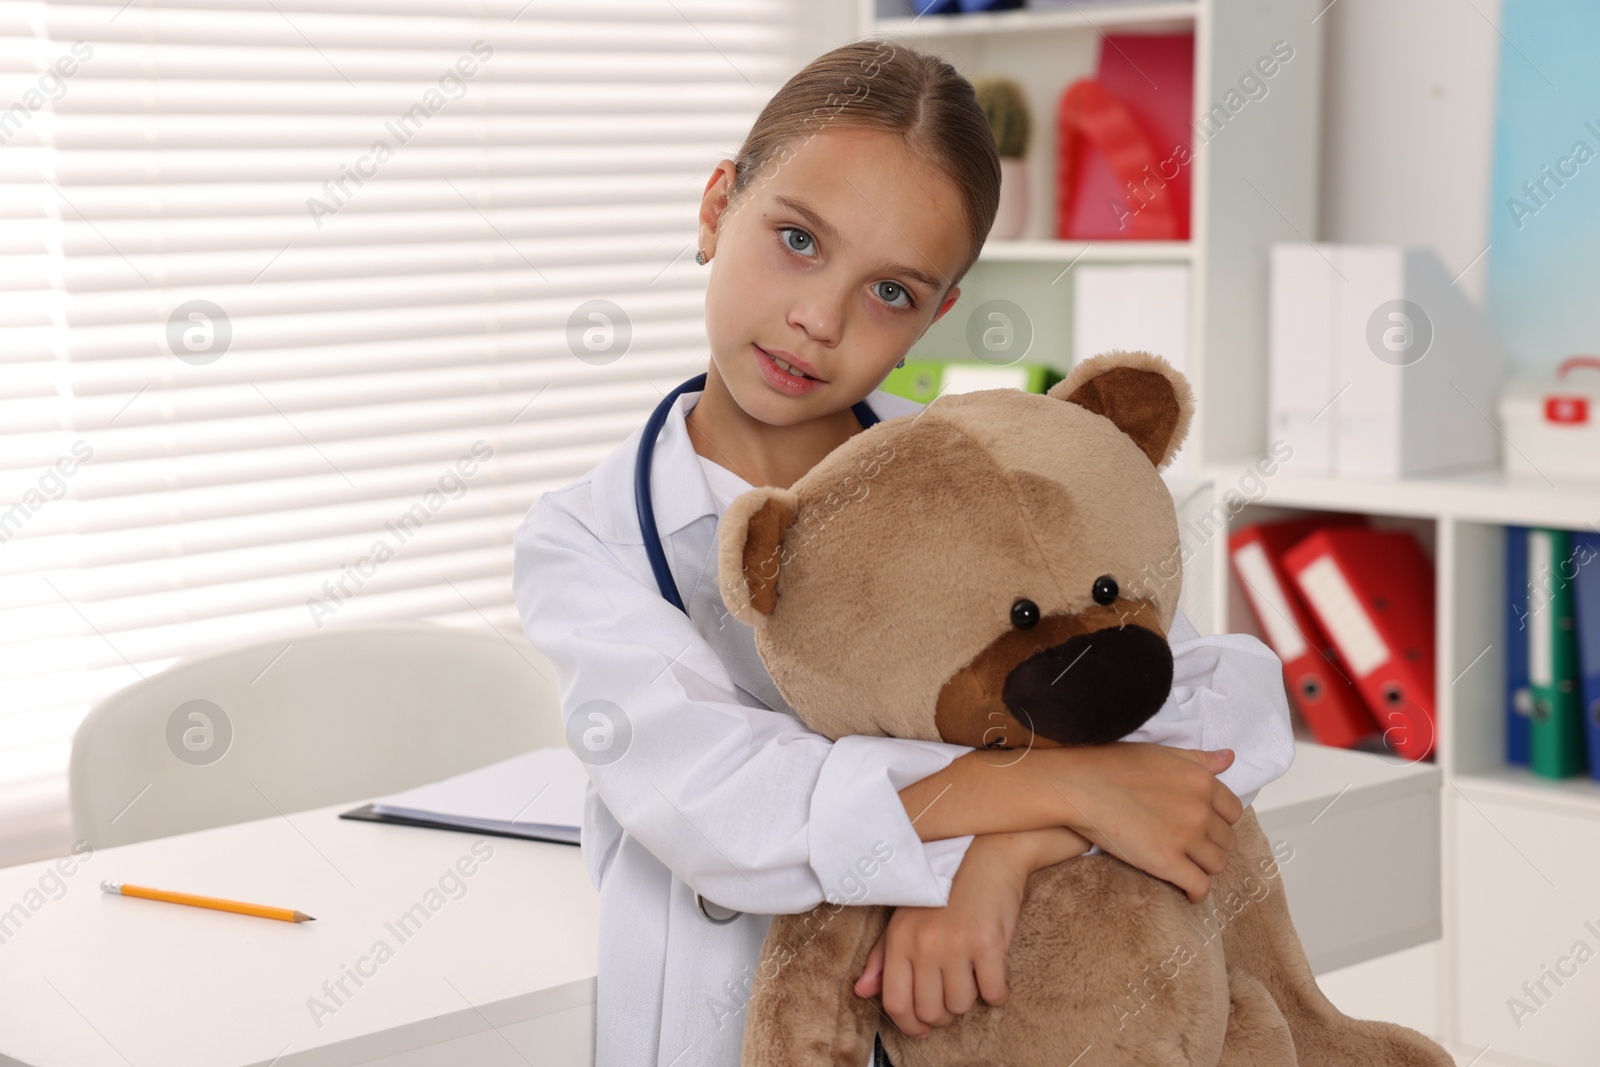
x=1318 y=682
x=1372 y=591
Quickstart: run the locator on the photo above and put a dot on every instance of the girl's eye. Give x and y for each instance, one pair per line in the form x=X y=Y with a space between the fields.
x=804 y=241
x=898 y=290
x=805 y=238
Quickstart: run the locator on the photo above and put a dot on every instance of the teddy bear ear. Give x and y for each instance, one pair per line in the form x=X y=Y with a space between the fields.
x=750 y=551
x=1143 y=394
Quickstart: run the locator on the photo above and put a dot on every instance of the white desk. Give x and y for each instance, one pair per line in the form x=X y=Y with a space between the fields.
x=505 y=975
x=95 y=979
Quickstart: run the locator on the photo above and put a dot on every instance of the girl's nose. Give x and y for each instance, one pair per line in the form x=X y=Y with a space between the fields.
x=819 y=311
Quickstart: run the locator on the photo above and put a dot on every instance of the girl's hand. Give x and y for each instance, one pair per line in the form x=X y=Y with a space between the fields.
x=1156 y=807
x=932 y=963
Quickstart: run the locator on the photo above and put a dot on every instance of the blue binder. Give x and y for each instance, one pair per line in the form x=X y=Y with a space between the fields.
x=1519 y=697
x=1586 y=590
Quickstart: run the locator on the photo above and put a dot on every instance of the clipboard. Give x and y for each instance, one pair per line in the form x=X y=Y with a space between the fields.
x=537 y=796
x=366 y=814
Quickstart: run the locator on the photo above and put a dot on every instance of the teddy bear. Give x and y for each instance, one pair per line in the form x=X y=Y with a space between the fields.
x=933 y=577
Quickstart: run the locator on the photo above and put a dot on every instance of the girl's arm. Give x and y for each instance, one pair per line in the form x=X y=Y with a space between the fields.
x=932 y=963
x=746 y=805
x=1161 y=809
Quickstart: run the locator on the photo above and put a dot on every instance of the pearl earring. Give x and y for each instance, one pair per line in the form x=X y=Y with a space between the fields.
x=700 y=257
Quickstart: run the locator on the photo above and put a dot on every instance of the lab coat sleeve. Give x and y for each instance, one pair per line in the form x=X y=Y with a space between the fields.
x=1231 y=685
x=748 y=806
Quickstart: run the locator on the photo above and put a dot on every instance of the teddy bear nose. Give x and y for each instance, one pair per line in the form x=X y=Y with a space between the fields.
x=1094 y=688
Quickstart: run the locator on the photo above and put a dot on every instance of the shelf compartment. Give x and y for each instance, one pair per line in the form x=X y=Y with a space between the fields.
x=1474 y=672
x=1174 y=16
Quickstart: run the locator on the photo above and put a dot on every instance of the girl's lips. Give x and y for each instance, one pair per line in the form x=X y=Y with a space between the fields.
x=782 y=379
x=794 y=362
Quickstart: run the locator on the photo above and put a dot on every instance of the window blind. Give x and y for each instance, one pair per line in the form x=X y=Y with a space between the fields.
x=300 y=312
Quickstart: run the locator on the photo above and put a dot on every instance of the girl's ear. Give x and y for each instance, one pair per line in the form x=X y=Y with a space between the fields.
x=750 y=551
x=1147 y=398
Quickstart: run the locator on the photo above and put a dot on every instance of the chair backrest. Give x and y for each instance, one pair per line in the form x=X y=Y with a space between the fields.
x=301 y=722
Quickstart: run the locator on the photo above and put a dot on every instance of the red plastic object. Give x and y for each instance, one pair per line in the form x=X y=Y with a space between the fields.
x=1566 y=409
x=1125 y=150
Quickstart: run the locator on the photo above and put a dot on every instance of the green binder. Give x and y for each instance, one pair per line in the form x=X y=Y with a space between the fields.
x=922 y=379
x=1556 y=743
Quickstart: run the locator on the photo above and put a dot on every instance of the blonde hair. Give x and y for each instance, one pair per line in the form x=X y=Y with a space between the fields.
x=880 y=85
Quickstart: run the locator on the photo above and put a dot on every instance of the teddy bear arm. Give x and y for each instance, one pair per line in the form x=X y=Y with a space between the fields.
x=1258 y=1034
x=803 y=1010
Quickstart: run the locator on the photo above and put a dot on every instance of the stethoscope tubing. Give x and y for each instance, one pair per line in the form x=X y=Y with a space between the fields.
x=653 y=548
x=643 y=505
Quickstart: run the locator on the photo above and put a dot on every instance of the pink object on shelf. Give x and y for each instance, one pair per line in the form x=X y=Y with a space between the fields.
x=1125 y=147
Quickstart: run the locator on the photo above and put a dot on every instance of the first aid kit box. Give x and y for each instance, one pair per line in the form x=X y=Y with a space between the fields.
x=1552 y=424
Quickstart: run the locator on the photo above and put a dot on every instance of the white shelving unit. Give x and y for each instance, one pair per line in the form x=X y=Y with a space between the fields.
x=1519 y=854
x=1252 y=182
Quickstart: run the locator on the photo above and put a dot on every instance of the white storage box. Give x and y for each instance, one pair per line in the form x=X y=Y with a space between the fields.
x=1552 y=424
x=1380 y=367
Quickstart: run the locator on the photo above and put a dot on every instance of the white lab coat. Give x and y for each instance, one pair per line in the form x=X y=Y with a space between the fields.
x=721 y=790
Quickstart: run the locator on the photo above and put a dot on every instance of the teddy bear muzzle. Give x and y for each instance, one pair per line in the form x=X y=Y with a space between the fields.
x=1093 y=689
x=1088 y=678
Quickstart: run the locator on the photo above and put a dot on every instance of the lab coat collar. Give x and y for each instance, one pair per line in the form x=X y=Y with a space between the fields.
x=679 y=490
x=678 y=486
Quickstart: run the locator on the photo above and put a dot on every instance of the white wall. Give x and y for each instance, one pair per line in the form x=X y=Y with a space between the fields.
x=1408 y=124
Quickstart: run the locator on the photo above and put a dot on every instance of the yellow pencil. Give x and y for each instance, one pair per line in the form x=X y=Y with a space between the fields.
x=288 y=915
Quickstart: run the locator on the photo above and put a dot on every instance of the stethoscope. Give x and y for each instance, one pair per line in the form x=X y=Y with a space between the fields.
x=652 y=536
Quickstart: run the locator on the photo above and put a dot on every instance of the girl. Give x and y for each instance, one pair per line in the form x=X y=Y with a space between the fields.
x=860 y=198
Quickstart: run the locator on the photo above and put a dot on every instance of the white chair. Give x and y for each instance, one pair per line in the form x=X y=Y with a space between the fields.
x=301 y=722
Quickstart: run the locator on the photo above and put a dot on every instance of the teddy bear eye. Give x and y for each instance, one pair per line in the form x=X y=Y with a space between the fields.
x=1024 y=614
x=1105 y=589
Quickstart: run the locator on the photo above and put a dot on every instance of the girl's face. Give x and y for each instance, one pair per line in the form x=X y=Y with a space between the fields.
x=837 y=257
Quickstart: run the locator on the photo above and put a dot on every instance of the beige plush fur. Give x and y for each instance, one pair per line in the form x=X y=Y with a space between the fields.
x=927 y=580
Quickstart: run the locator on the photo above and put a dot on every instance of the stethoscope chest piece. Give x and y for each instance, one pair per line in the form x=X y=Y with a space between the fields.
x=716 y=913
